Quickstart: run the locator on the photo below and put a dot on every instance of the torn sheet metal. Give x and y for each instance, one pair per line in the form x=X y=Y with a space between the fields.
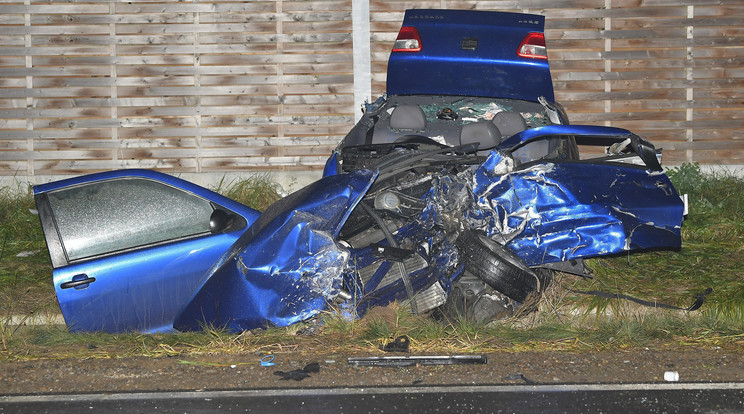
x=287 y=267
x=583 y=135
x=555 y=212
x=290 y=263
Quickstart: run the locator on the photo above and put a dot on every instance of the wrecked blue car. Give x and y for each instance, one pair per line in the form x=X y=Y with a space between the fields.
x=460 y=190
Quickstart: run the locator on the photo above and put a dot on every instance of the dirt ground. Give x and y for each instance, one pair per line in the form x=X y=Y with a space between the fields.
x=220 y=372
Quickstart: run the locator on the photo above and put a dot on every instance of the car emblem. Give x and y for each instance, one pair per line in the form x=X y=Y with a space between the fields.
x=469 y=43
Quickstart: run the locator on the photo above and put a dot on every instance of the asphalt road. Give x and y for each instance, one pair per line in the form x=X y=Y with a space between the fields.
x=589 y=398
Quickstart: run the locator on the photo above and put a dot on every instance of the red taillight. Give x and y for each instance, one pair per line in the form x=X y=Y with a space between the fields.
x=533 y=47
x=408 y=40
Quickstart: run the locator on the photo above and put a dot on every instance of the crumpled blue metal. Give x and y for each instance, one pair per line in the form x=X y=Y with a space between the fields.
x=287 y=267
x=552 y=212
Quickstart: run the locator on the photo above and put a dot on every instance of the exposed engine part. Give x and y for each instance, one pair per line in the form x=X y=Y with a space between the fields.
x=471 y=299
x=387 y=200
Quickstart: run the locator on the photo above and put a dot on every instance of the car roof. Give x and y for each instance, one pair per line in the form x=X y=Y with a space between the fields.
x=470 y=53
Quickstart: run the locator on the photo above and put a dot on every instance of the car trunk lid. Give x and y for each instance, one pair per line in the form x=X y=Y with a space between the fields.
x=504 y=54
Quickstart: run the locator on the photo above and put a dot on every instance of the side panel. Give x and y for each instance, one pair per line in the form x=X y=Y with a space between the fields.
x=554 y=212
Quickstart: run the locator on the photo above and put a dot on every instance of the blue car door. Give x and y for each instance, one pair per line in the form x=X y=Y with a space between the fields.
x=129 y=247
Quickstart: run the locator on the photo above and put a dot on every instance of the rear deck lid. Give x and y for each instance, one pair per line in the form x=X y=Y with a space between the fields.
x=470 y=53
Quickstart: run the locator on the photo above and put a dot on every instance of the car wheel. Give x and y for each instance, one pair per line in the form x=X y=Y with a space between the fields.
x=499 y=267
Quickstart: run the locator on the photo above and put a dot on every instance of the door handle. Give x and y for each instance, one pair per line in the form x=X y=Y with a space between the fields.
x=77 y=282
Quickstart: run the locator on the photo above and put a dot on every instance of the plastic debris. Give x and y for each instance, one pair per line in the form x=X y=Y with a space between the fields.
x=516 y=377
x=27 y=253
x=671 y=376
x=267 y=361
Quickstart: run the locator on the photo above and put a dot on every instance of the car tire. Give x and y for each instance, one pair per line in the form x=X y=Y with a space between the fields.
x=499 y=267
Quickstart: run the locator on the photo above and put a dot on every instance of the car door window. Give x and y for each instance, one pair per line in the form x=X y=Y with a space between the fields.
x=114 y=215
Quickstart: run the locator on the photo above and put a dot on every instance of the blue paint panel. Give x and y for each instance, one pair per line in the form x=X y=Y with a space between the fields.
x=287 y=267
x=555 y=212
x=532 y=134
x=331 y=165
x=142 y=290
x=442 y=67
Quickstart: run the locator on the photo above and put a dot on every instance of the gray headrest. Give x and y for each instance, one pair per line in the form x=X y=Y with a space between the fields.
x=408 y=117
x=486 y=133
x=509 y=123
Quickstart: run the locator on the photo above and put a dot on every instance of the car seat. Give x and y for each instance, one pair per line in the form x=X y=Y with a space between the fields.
x=485 y=133
x=511 y=123
x=408 y=117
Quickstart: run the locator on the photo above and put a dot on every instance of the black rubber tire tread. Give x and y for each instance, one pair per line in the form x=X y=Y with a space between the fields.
x=496 y=265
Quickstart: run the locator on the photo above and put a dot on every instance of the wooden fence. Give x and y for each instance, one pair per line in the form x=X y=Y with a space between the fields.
x=225 y=86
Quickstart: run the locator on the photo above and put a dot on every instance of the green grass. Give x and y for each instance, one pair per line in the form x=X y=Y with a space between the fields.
x=712 y=255
x=20 y=233
x=24 y=263
x=257 y=192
